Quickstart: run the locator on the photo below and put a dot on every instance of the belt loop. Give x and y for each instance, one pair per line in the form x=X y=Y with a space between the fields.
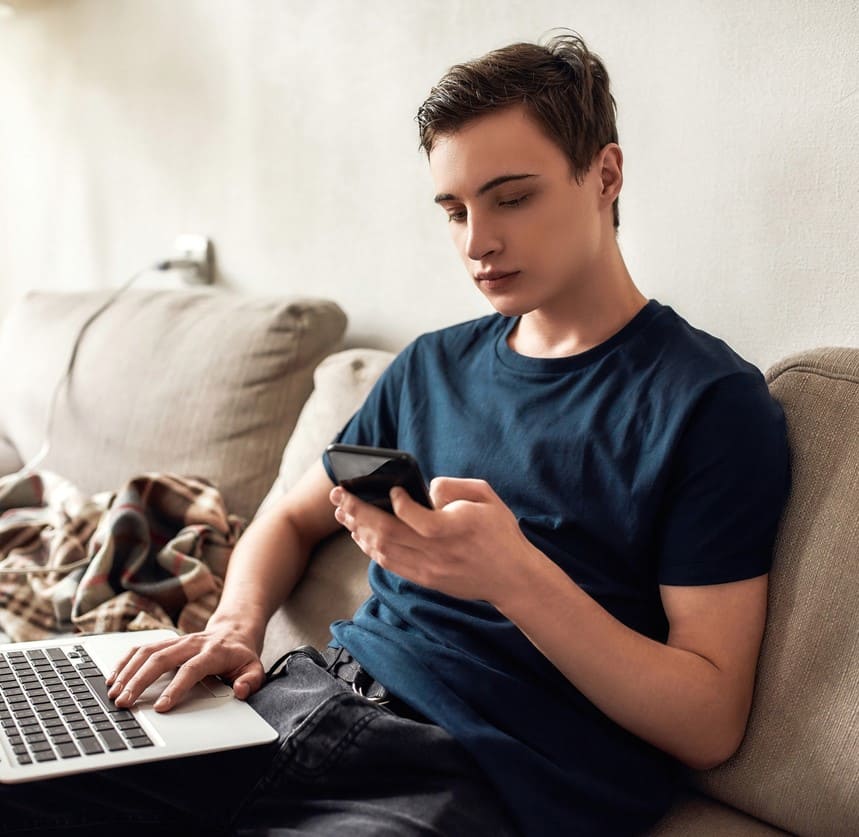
x=345 y=667
x=276 y=670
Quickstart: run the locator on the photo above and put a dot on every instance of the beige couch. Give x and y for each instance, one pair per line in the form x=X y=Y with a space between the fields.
x=215 y=385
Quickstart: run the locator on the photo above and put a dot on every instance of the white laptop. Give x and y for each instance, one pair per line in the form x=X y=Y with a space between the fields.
x=56 y=719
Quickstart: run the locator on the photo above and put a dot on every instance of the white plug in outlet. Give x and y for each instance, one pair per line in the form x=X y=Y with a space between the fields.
x=195 y=254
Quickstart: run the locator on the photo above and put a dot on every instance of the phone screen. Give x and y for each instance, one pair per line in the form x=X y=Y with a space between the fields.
x=370 y=473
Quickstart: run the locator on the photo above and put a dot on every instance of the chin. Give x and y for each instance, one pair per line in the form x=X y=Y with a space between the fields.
x=509 y=307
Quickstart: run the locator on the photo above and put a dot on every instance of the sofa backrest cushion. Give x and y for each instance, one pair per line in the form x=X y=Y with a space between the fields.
x=798 y=767
x=340 y=385
x=205 y=383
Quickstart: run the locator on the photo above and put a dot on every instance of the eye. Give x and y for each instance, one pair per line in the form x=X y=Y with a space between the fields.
x=514 y=202
x=456 y=216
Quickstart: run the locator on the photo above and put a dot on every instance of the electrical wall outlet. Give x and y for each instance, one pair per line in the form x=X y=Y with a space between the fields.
x=196 y=255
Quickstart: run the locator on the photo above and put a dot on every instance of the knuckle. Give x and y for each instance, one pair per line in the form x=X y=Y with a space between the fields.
x=431 y=527
x=381 y=559
x=159 y=657
x=192 y=666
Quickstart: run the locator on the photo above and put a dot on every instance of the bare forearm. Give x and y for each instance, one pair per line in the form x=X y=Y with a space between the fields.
x=266 y=564
x=272 y=554
x=676 y=699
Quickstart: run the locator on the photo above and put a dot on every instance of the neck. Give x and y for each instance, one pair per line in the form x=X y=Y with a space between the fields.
x=594 y=309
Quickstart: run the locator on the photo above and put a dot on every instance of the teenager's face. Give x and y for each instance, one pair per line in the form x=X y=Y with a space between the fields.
x=529 y=235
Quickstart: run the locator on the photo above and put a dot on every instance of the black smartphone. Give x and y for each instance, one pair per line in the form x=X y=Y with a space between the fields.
x=371 y=473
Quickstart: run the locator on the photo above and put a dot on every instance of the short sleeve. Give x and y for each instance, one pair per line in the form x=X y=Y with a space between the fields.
x=729 y=481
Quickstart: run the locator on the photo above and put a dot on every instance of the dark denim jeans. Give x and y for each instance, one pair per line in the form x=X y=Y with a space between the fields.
x=341 y=765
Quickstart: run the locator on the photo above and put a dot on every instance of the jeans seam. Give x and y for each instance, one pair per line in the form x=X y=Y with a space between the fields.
x=283 y=762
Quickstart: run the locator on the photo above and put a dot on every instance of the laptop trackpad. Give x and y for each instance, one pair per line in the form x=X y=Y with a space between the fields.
x=209 y=687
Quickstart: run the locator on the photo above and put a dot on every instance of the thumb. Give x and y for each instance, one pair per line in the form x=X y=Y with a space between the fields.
x=445 y=490
x=249 y=681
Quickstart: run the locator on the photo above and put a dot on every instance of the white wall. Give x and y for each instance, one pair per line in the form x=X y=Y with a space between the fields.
x=285 y=130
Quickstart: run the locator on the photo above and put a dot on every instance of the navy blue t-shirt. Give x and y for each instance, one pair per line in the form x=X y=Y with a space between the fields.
x=657 y=457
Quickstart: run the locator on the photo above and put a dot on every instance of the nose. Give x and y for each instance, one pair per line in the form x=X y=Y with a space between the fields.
x=482 y=239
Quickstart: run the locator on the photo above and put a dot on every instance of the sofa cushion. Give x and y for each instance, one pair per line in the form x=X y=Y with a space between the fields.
x=696 y=815
x=798 y=767
x=199 y=382
x=340 y=385
x=335 y=582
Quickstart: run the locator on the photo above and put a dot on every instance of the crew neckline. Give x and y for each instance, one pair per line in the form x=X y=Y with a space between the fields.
x=554 y=365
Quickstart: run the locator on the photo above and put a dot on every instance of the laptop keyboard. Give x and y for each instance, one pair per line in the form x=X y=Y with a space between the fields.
x=54 y=705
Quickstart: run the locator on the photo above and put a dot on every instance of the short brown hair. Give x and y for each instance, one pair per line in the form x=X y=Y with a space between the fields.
x=562 y=83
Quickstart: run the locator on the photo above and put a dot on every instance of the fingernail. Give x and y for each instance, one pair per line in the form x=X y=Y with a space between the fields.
x=110 y=677
x=337 y=496
x=163 y=702
x=114 y=690
x=125 y=697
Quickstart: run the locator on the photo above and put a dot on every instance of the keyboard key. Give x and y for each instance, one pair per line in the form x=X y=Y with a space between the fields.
x=67 y=750
x=40 y=746
x=90 y=746
x=83 y=732
x=45 y=756
x=99 y=686
x=140 y=741
x=112 y=740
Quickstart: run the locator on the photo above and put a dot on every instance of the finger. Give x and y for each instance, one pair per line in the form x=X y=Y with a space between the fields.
x=131 y=664
x=159 y=663
x=446 y=490
x=189 y=674
x=121 y=664
x=246 y=681
x=398 y=558
x=249 y=681
x=417 y=517
x=354 y=512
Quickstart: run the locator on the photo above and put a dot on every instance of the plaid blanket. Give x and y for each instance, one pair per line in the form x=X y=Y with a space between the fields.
x=153 y=554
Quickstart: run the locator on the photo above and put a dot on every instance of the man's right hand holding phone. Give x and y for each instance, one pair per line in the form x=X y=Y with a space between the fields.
x=468 y=545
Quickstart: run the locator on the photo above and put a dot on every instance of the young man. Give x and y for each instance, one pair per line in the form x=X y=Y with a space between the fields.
x=582 y=610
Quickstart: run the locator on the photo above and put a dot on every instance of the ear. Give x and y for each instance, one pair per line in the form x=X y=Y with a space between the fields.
x=610 y=166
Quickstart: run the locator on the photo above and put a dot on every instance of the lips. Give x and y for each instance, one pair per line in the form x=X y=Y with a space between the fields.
x=492 y=276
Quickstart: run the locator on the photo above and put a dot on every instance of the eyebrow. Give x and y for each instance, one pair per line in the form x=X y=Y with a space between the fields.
x=490 y=184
